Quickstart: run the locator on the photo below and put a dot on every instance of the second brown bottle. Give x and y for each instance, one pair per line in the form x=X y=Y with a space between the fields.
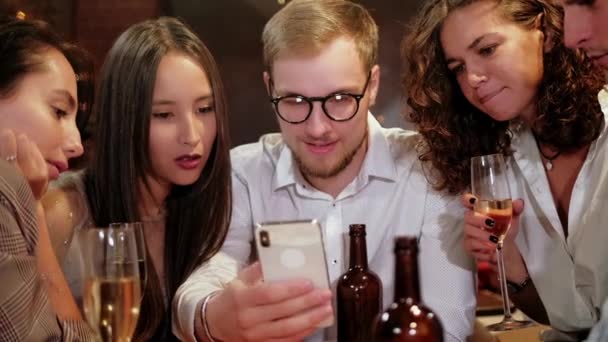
x=359 y=293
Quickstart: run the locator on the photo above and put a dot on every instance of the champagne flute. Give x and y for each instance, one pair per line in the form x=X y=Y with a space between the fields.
x=490 y=184
x=140 y=241
x=112 y=286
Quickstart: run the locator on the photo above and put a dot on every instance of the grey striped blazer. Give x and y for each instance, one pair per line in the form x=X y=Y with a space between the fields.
x=25 y=310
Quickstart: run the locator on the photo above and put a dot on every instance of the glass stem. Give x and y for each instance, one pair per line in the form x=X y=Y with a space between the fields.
x=502 y=279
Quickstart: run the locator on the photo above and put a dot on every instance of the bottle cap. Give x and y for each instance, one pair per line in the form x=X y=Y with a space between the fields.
x=406 y=243
x=357 y=230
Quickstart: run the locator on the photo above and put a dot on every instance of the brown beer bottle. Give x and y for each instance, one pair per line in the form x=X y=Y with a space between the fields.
x=407 y=319
x=359 y=293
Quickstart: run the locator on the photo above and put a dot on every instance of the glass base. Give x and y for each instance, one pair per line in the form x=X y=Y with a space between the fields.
x=510 y=324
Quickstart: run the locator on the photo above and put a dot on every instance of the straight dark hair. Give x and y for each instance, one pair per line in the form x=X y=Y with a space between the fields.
x=197 y=215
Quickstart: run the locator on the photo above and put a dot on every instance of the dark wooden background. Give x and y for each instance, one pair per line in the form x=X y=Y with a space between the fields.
x=231 y=29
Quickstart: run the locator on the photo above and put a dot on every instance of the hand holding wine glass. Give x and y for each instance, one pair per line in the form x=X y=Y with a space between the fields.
x=478 y=236
x=490 y=186
x=112 y=285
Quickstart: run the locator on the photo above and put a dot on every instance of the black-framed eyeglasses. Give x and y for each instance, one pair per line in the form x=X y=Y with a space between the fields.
x=296 y=109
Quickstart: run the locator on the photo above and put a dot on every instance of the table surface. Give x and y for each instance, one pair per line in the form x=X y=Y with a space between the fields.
x=531 y=334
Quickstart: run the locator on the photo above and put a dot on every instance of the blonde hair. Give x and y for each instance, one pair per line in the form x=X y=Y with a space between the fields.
x=306 y=26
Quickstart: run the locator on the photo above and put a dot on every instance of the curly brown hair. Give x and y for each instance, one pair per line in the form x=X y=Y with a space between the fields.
x=569 y=115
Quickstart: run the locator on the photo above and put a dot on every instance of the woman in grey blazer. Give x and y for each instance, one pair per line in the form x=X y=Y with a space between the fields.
x=38 y=135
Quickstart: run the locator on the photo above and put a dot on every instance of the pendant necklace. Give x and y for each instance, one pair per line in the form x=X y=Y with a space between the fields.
x=549 y=159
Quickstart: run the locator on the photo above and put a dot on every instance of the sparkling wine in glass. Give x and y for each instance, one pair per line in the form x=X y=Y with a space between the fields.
x=490 y=184
x=501 y=211
x=140 y=240
x=112 y=291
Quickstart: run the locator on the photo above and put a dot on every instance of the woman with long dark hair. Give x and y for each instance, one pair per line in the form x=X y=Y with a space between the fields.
x=494 y=76
x=161 y=157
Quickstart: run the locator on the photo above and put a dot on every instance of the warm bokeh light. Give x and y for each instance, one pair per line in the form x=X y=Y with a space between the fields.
x=20 y=15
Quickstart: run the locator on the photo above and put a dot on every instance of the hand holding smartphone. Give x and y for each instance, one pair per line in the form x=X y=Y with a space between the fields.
x=292 y=250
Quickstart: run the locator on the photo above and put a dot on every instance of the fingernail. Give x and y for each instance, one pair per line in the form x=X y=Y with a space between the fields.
x=494 y=238
x=326 y=294
x=472 y=200
x=305 y=285
x=490 y=223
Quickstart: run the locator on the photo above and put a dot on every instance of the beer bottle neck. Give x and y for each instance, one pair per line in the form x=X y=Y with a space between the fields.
x=358 y=252
x=406 y=275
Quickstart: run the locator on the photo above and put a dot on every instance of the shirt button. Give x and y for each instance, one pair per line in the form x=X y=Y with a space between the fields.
x=334 y=261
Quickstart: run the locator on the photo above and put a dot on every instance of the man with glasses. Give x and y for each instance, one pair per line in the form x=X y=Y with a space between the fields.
x=332 y=162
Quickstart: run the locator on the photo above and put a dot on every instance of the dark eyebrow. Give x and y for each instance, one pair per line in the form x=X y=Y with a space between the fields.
x=471 y=46
x=66 y=95
x=204 y=97
x=169 y=102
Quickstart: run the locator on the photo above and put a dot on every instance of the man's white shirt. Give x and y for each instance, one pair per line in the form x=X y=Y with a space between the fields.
x=390 y=195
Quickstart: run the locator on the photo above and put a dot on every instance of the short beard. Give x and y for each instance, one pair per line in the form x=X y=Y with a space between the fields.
x=346 y=159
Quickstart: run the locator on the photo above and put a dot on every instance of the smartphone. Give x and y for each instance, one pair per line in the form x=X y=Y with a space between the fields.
x=293 y=249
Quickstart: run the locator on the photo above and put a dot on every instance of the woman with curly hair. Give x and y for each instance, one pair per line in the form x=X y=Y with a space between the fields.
x=493 y=76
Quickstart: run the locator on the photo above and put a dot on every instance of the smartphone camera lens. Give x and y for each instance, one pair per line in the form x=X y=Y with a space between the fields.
x=264 y=238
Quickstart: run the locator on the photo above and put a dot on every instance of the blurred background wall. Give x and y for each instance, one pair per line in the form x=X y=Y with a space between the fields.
x=231 y=29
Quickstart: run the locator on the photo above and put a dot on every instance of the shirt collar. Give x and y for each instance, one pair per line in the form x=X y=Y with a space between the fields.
x=378 y=160
x=602 y=97
x=285 y=171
